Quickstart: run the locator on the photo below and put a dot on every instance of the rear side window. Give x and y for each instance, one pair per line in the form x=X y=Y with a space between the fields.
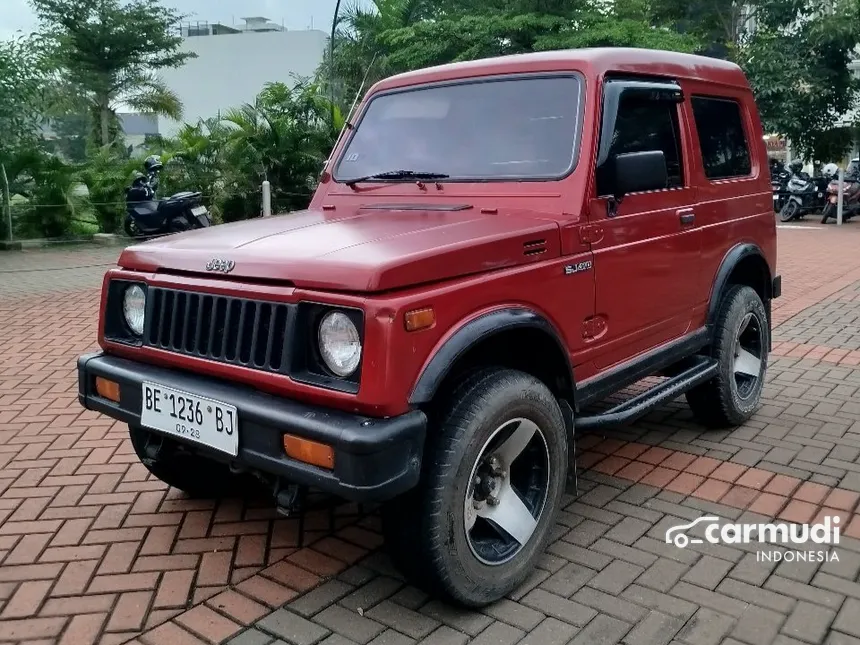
x=643 y=126
x=725 y=151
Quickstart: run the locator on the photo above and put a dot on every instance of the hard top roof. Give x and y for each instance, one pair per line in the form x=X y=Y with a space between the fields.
x=591 y=62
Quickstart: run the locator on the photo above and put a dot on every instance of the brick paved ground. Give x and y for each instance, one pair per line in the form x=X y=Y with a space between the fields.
x=92 y=549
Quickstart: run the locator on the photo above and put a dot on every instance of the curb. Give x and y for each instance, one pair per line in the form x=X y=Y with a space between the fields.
x=98 y=239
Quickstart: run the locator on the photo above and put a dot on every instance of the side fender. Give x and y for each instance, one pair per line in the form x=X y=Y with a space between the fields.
x=472 y=333
x=733 y=258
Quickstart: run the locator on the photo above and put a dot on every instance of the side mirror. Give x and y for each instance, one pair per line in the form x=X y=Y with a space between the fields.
x=635 y=172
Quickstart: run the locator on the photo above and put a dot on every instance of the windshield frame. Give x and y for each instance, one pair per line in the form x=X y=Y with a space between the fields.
x=577 y=135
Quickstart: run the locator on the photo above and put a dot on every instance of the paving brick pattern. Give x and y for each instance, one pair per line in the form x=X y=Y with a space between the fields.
x=94 y=550
x=809 y=426
x=608 y=577
x=63 y=269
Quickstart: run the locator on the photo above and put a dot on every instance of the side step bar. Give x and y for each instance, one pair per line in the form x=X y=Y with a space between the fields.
x=704 y=369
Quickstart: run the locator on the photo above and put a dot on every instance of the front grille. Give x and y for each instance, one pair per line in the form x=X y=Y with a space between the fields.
x=250 y=333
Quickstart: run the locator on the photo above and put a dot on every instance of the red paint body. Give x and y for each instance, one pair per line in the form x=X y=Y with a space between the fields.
x=651 y=278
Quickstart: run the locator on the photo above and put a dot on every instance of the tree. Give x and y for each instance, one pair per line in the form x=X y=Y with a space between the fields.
x=399 y=35
x=797 y=61
x=196 y=158
x=108 y=53
x=284 y=137
x=796 y=55
x=359 y=49
x=21 y=93
x=106 y=176
x=21 y=90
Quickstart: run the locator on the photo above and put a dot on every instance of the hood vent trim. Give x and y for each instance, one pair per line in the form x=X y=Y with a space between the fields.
x=534 y=247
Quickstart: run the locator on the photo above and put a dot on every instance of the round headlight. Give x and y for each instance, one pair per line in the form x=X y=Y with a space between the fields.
x=134 y=308
x=340 y=344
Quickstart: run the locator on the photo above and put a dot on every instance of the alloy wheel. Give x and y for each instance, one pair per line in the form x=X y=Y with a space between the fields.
x=748 y=355
x=507 y=491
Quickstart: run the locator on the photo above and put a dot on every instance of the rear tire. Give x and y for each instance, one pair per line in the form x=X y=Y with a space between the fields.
x=741 y=344
x=498 y=456
x=195 y=475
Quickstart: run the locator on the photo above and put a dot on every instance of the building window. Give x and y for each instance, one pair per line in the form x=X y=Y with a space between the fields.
x=725 y=152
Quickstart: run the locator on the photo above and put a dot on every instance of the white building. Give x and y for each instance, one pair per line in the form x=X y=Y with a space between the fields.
x=234 y=63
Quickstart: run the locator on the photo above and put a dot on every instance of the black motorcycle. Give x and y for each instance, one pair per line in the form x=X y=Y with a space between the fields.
x=779 y=178
x=805 y=195
x=146 y=215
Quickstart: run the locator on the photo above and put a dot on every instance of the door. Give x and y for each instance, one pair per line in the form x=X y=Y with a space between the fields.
x=646 y=261
x=734 y=195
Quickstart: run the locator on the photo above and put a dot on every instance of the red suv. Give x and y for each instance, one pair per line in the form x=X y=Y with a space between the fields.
x=494 y=247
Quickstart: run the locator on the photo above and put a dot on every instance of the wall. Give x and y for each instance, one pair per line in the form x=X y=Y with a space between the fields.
x=231 y=69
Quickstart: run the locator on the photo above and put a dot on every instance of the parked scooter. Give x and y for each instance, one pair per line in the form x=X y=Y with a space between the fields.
x=807 y=194
x=146 y=215
x=850 y=195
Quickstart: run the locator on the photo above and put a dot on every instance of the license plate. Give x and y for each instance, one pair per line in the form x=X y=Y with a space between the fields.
x=191 y=417
x=775 y=198
x=199 y=210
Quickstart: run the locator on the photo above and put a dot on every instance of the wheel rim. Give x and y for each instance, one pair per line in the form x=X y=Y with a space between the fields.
x=507 y=491
x=748 y=356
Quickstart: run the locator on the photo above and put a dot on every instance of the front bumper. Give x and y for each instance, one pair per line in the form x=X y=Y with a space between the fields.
x=374 y=459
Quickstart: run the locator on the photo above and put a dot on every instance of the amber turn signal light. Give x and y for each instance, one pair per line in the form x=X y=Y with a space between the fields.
x=309 y=452
x=420 y=319
x=107 y=389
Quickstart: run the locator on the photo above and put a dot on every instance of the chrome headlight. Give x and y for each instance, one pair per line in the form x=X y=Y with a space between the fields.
x=134 y=308
x=340 y=343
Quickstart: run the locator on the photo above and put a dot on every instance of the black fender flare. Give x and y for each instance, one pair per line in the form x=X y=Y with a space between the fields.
x=734 y=257
x=474 y=332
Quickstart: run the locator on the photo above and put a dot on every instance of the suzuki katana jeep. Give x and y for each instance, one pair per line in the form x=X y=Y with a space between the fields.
x=494 y=247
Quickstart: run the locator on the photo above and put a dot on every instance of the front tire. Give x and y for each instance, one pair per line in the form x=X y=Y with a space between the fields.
x=181 y=469
x=495 y=472
x=131 y=228
x=741 y=345
x=828 y=212
x=789 y=211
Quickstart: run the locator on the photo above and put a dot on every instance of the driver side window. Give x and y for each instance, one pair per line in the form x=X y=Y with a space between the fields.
x=645 y=126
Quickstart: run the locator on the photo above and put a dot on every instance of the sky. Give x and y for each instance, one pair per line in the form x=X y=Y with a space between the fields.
x=17 y=15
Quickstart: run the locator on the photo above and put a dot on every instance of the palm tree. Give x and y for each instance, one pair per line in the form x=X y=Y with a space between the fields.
x=110 y=53
x=106 y=176
x=359 y=46
x=45 y=193
x=284 y=137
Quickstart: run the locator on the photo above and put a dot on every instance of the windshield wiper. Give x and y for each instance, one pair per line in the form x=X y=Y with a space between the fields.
x=399 y=174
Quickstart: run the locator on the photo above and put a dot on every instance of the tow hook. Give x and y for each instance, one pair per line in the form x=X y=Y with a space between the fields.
x=290 y=498
x=152 y=449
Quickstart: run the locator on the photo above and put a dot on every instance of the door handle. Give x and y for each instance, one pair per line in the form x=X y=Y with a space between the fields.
x=687 y=217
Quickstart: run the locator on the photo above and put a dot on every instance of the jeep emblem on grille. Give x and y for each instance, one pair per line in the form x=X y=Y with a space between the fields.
x=224 y=266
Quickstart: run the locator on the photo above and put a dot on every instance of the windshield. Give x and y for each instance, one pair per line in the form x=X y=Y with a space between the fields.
x=523 y=128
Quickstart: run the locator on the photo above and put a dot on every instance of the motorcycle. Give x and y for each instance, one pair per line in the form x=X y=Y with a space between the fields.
x=805 y=195
x=146 y=215
x=779 y=178
x=850 y=195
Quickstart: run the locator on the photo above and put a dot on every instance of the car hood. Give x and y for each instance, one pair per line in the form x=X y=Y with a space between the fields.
x=374 y=248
